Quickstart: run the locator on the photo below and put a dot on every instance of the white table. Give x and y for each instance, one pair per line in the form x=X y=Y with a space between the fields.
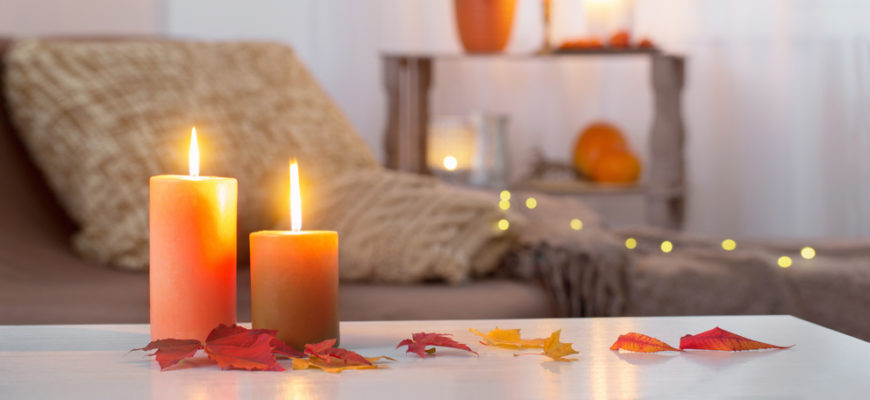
x=92 y=361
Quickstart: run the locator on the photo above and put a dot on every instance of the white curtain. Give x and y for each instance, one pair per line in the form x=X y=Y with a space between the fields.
x=777 y=101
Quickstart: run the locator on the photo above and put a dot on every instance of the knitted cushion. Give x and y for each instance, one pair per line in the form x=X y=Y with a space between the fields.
x=100 y=118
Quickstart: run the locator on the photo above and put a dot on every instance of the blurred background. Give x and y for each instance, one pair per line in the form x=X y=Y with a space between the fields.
x=774 y=105
x=603 y=157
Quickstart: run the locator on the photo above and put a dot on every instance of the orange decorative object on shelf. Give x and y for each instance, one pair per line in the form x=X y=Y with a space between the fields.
x=646 y=43
x=484 y=25
x=621 y=39
x=592 y=141
x=602 y=154
x=615 y=166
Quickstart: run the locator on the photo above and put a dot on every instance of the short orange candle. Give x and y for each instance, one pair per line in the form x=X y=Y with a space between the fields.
x=193 y=252
x=294 y=279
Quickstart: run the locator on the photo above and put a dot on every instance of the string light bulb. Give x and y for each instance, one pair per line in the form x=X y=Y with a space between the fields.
x=784 y=262
x=729 y=244
x=531 y=203
x=667 y=246
x=576 y=224
x=503 y=224
x=504 y=204
x=631 y=243
x=505 y=195
x=808 y=253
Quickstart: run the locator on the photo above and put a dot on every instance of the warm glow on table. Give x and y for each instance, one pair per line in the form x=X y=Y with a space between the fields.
x=192 y=252
x=294 y=278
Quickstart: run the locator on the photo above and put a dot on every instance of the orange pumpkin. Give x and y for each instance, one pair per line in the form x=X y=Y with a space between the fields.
x=593 y=141
x=620 y=39
x=615 y=166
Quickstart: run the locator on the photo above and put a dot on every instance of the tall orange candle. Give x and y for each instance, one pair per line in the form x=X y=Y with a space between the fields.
x=193 y=252
x=294 y=279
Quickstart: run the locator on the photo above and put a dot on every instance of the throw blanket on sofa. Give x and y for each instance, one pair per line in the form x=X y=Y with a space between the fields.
x=700 y=278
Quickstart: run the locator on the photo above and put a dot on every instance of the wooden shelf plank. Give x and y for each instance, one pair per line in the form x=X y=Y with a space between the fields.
x=526 y=56
x=580 y=187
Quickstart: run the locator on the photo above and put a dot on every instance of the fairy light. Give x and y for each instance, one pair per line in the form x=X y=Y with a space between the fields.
x=531 y=203
x=505 y=195
x=808 y=253
x=667 y=246
x=504 y=204
x=576 y=224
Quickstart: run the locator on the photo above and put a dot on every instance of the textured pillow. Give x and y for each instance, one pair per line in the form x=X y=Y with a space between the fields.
x=100 y=118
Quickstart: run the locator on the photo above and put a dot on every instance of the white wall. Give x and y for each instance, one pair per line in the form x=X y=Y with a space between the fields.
x=337 y=39
x=52 y=17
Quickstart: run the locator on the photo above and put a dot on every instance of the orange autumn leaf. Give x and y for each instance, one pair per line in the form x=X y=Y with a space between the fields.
x=557 y=350
x=634 y=341
x=722 y=340
x=318 y=363
x=508 y=338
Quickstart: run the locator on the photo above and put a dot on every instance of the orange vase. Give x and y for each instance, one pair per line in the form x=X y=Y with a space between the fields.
x=484 y=25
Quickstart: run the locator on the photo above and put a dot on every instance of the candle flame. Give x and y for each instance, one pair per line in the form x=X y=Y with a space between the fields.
x=193 y=157
x=450 y=163
x=295 y=198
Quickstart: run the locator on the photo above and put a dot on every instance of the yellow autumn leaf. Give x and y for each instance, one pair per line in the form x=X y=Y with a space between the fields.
x=508 y=338
x=557 y=350
x=315 y=362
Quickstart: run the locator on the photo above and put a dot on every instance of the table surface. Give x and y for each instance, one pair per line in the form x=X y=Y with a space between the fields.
x=92 y=361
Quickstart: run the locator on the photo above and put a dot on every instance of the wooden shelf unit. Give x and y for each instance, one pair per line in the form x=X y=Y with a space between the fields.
x=408 y=78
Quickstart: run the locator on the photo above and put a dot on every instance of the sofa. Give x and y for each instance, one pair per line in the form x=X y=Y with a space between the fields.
x=44 y=281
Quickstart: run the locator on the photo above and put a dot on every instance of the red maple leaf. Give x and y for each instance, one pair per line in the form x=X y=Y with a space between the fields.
x=418 y=342
x=334 y=356
x=172 y=351
x=284 y=349
x=231 y=346
x=244 y=351
x=720 y=339
x=250 y=335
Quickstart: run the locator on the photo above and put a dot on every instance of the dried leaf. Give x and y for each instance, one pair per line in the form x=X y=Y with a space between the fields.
x=250 y=335
x=316 y=362
x=172 y=351
x=720 y=339
x=334 y=356
x=509 y=338
x=418 y=342
x=231 y=346
x=223 y=331
x=557 y=350
x=240 y=351
x=634 y=341
x=284 y=349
